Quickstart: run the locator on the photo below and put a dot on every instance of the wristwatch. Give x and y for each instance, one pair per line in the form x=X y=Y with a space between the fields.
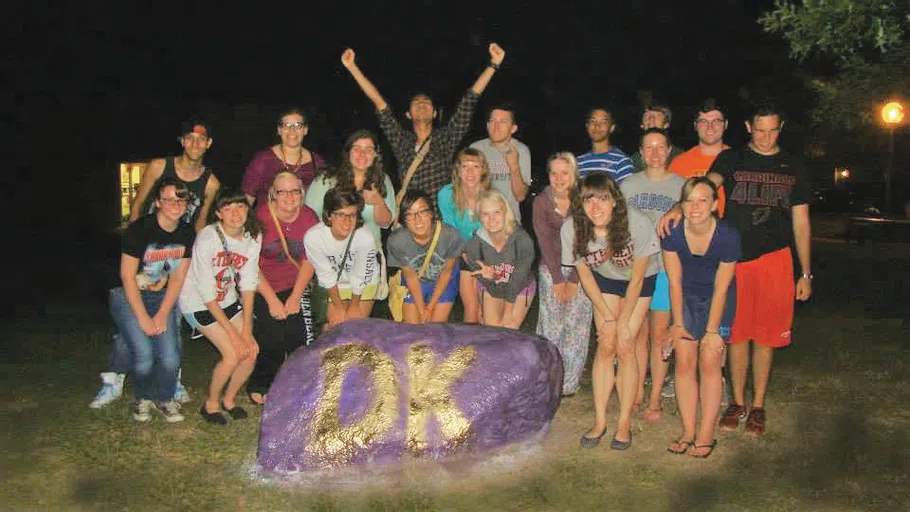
x=807 y=276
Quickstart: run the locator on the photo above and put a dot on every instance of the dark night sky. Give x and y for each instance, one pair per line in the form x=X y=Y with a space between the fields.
x=95 y=83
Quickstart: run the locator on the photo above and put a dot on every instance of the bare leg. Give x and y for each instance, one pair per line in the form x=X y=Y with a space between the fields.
x=687 y=386
x=641 y=355
x=492 y=310
x=602 y=373
x=469 y=297
x=709 y=365
x=224 y=368
x=409 y=312
x=761 y=370
x=628 y=369
x=441 y=313
x=739 y=363
x=660 y=324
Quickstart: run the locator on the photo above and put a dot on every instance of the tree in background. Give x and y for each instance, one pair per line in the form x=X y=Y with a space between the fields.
x=857 y=54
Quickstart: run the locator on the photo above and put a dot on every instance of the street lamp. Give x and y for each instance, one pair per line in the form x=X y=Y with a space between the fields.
x=892 y=115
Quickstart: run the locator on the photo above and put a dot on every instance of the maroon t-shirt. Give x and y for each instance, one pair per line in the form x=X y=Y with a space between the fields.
x=265 y=165
x=274 y=264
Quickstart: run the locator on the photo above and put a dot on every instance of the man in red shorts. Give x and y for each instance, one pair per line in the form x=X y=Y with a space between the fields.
x=767 y=196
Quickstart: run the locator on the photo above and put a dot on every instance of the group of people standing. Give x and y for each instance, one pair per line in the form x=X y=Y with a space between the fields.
x=635 y=244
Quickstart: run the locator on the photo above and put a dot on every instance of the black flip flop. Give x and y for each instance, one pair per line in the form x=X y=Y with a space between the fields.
x=708 y=453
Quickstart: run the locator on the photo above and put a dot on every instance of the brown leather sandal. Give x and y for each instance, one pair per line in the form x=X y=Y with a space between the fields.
x=755 y=424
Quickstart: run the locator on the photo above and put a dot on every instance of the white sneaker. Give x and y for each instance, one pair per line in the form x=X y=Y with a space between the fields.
x=170 y=410
x=142 y=411
x=181 y=394
x=111 y=389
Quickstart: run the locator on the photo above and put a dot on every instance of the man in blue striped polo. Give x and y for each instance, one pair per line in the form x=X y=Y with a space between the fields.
x=603 y=157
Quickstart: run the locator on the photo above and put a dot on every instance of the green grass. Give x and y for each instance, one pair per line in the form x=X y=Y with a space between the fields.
x=837 y=434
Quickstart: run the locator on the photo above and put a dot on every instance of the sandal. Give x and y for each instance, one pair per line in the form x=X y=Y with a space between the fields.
x=755 y=423
x=708 y=453
x=682 y=446
x=260 y=400
x=652 y=414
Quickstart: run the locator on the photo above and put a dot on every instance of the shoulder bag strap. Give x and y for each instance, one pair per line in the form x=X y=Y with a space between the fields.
x=284 y=242
x=429 y=256
x=421 y=154
x=345 y=257
x=230 y=257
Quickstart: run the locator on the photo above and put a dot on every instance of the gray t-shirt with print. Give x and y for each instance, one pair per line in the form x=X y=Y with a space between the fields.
x=651 y=197
x=644 y=243
x=404 y=251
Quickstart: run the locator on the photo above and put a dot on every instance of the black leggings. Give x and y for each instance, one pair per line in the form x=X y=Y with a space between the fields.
x=277 y=339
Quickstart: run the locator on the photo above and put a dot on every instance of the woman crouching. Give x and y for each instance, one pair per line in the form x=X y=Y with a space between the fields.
x=225 y=261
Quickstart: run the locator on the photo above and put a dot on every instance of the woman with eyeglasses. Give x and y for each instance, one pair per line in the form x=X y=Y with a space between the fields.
x=217 y=299
x=280 y=324
x=614 y=249
x=430 y=296
x=343 y=254
x=360 y=171
x=457 y=202
x=288 y=155
x=153 y=264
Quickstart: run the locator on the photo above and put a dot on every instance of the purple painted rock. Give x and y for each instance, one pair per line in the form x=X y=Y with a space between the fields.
x=371 y=391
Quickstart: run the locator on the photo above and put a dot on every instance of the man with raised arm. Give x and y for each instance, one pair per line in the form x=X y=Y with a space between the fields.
x=710 y=124
x=603 y=156
x=508 y=157
x=767 y=200
x=655 y=116
x=435 y=170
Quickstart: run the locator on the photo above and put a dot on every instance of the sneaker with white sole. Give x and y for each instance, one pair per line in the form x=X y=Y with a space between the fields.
x=142 y=411
x=171 y=411
x=111 y=389
x=669 y=389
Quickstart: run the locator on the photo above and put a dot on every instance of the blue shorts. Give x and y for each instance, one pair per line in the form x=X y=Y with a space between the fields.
x=618 y=287
x=204 y=318
x=696 y=310
x=427 y=287
x=660 y=301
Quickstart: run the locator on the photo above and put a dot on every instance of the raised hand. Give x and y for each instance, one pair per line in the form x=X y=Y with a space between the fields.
x=497 y=54
x=347 y=59
x=486 y=271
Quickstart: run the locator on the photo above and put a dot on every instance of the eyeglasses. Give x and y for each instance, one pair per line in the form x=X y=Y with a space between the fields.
x=710 y=122
x=344 y=216
x=296 y=125
x=171 y=201
x=422 y=215
x=289 y=192
x=369 y=150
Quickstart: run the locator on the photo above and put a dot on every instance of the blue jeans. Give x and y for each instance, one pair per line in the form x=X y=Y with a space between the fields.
x=121 y=360
x=155 y=358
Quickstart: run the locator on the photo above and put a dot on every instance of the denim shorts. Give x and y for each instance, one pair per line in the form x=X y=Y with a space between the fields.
x=696 y=310
x=618 y=287
x=204 y=318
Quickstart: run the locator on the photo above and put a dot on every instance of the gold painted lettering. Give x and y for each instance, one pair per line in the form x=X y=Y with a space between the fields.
x=332 y=440
x=429 y=385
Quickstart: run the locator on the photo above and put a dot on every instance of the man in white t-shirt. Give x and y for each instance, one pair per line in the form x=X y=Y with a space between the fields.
x=509 y=159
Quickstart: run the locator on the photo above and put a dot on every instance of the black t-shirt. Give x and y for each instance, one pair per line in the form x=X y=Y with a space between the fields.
x=196 y=191
x=159 y=252
x=761 y=189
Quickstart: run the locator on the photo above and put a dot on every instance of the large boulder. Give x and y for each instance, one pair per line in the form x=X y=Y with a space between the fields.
x=370 y=391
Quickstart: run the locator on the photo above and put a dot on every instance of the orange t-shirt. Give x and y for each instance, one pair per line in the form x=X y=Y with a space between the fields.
x=695 y=163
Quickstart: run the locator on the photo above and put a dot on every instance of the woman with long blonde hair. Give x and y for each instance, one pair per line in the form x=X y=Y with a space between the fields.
x=456 y=202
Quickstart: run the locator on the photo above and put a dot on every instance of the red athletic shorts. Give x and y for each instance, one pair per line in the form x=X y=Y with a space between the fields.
x=765 y=292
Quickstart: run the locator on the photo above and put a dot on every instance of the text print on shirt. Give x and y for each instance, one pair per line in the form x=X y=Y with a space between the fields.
x=224 y=278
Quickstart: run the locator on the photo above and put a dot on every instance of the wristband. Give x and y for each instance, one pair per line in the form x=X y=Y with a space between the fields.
x=493 y=65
